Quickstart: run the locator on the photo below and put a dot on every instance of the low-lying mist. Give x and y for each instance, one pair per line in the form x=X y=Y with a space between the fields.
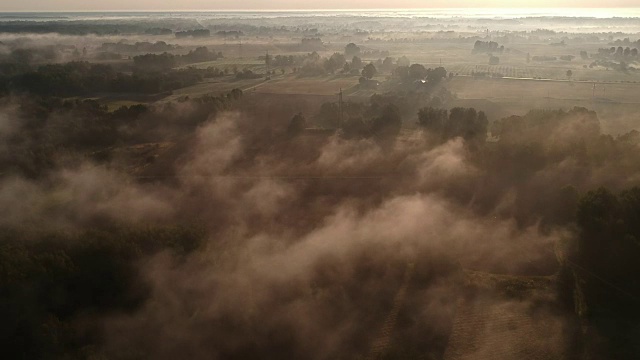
x=308 y=237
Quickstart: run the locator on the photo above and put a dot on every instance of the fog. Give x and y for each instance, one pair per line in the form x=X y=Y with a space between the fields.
x=319 y=185
x=163 y=5
x=292 y=267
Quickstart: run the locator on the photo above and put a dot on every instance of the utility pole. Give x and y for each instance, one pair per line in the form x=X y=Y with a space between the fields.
x=267 y=61
x=340 y=108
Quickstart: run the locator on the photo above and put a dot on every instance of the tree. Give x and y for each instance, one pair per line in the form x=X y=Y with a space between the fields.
x=369 y=71
x=201 y=54
x=297 y=124
x=569 y=74
x=356 y=63
x=487 y=47
x=235 y=94
x=351 y=50
x=432 y=119
x=417 y=72
x=335 y=62
x=387 y=64
x=434 y=76
x=463 y=122
x=608 y=246
x=388 y=124
x=328 y=115
x=403 y=61
x=401 y=72
x=153 y=62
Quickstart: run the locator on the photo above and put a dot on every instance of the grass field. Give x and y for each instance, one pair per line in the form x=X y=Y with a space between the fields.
x=457 y=58
x=215 y=87
x=250 y=63
x=555 y=71
x=615 y=96
x=467 y=87
x=616 y=104
x=315 y=85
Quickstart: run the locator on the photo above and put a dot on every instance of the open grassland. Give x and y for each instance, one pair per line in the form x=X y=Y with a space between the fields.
x=252 y=63
x=526 y=85
x=215 y=87
x=485 y=88
x=616 y=104
x=458 y=58
x=553 y=70
x=311 y=85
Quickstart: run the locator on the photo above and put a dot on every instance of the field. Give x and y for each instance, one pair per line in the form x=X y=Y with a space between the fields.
x=458 y=58
x=516 y=86
x=554 y=71
x=315 y=85
x=215 y=87
x=390 y=191
x=475 y=88
x=615 y=103
x=525 y=85
x=252 y=63
x=495 y=323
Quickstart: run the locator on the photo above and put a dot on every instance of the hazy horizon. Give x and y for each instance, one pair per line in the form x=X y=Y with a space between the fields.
x=451 y=12
x=353 y=182
x=279 y=5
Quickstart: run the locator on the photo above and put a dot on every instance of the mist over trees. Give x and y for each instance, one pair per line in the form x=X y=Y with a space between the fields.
x=310 y=186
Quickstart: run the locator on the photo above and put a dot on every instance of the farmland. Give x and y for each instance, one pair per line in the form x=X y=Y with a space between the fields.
x=275 y=185
x=314 y=86
x=613 y=101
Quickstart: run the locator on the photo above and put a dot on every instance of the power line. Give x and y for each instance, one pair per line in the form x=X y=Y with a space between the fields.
x=602 y=279
x=289 y=177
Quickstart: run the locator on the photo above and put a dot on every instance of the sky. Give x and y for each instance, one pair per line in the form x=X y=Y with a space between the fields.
x=159 y=5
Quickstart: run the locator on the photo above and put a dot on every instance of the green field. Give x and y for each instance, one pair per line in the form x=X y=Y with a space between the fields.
x=616 y=104
x=252 y=63
x=312 y=85
x=475 y=88
x=215 y=87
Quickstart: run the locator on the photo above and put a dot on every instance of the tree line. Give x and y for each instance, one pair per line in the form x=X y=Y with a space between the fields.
x=167 y=61
x=50 y=126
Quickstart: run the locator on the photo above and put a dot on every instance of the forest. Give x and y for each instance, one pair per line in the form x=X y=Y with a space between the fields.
x=313 y=186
